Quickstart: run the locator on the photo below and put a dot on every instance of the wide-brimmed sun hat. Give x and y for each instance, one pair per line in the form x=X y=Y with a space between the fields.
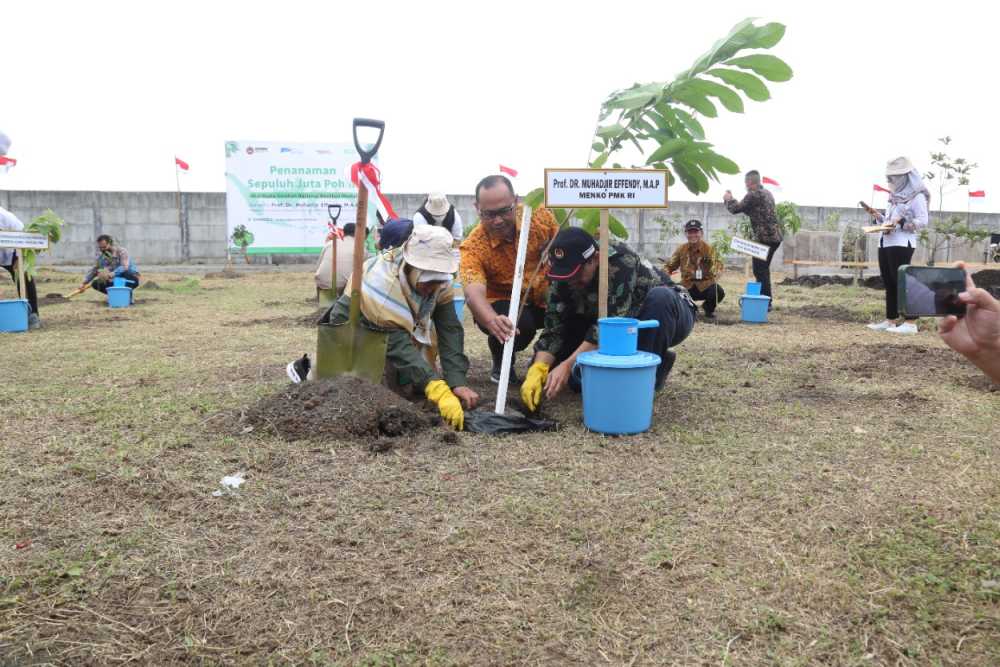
x=429 y=249
x=437 y=203
x=899 y=166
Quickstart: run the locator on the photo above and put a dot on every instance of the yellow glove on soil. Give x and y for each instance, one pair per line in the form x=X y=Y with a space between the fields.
x=448 y=404
x=531 y=388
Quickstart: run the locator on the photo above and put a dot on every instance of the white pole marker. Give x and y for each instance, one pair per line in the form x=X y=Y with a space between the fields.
x=515 y=305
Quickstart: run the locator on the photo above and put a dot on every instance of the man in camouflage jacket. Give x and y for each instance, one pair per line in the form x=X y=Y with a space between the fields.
x=635 y=289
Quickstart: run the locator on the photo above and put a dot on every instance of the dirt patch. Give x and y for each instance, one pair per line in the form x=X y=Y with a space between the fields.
x=869 y=361
x=225 y=274
x=873 y=282
x=343 y=408
x=717 y=321
x=52 y=299
x=151 y=284
x=831 y=313
x=309 y=320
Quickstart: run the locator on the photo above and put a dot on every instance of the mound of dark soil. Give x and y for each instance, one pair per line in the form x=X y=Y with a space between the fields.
x=873 y=282
x=987 y=278
x=342 y=408
x=150 y=284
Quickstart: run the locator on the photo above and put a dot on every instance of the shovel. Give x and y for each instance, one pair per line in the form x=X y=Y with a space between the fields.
x=350 y=348
x=326 y=297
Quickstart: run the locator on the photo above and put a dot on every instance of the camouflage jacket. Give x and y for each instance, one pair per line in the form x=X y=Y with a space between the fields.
x=758 y=205
x=630 y=277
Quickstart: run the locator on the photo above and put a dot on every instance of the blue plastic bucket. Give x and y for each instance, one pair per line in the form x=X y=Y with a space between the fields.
x=459 y=297
x=753 y=308
x=753 y=289
x=118 y=281
x=119 y=297
x=619 y=336
x=618 y=391
x=14 y=315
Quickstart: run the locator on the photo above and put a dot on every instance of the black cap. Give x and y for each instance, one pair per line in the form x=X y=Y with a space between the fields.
x=692 y=224
x=570 y=249
x=394 y=233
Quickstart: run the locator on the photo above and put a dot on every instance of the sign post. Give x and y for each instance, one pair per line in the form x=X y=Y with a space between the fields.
x=757 y=250
x=24 y=240
x=604 y=189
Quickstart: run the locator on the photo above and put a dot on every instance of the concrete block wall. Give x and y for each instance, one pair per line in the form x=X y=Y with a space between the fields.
x=148 y=224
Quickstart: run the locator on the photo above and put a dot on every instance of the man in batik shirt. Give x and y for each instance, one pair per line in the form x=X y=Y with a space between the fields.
x=758 y=205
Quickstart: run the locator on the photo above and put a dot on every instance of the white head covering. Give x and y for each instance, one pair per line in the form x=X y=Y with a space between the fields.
x=914 y=186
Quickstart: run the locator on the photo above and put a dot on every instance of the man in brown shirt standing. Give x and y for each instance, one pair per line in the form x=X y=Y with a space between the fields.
x=700 y=268
x=758 y=205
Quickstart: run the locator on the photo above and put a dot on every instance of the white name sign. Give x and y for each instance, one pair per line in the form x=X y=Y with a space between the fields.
x=749 y=248
x=606 y=188
x=23 y=240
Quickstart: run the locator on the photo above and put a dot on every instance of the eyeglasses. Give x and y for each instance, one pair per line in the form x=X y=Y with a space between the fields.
x=496 y=213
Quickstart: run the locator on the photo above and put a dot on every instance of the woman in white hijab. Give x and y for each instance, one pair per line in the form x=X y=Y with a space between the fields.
x=905 y=215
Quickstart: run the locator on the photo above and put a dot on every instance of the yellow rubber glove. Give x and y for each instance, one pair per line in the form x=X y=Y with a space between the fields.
x=531 y=388
x=448 y=404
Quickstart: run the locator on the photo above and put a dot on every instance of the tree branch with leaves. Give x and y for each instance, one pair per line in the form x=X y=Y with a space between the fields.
x=663 y=117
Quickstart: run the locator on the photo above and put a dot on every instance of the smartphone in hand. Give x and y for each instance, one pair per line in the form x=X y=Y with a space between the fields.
x=930 y=291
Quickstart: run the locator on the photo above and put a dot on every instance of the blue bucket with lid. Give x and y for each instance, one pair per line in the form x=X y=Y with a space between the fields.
x=619 y=336
x=14 y=315
x=618 y=391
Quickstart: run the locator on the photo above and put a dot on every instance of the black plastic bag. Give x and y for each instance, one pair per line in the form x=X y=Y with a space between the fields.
x=512 y=421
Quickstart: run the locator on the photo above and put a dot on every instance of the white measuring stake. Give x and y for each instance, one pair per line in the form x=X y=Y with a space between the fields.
x=515 y=306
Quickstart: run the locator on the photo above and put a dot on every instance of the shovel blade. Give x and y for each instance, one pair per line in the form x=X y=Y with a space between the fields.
x=350 y=349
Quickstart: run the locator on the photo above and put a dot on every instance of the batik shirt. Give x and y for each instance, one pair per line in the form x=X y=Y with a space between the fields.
x=490 y=261
x=114 y=259
x=693 y=256
x=630 y=277
x=758 y=205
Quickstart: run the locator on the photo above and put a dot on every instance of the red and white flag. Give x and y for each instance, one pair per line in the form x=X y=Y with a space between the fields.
x=507 y=170
x=181 y=164
x=977 y=193
x=6 y=163
x=770 y=183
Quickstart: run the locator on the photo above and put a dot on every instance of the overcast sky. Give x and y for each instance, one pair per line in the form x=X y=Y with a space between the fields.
x=101 y=95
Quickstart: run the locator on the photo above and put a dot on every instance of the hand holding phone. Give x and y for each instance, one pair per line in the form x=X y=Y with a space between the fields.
x=931 y=291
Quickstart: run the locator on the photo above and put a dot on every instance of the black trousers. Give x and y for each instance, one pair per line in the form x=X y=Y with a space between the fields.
x=762 y=270
x=532 y=319
x=664 y=304
x=32 y=295
x=131 y=278
x=709 y=296
x=889 y=261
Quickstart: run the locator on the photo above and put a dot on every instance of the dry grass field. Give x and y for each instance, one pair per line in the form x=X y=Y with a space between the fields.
x=811 y=492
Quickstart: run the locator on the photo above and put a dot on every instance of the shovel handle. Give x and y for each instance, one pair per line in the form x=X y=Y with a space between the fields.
x=333 y=215
x=367 y=155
